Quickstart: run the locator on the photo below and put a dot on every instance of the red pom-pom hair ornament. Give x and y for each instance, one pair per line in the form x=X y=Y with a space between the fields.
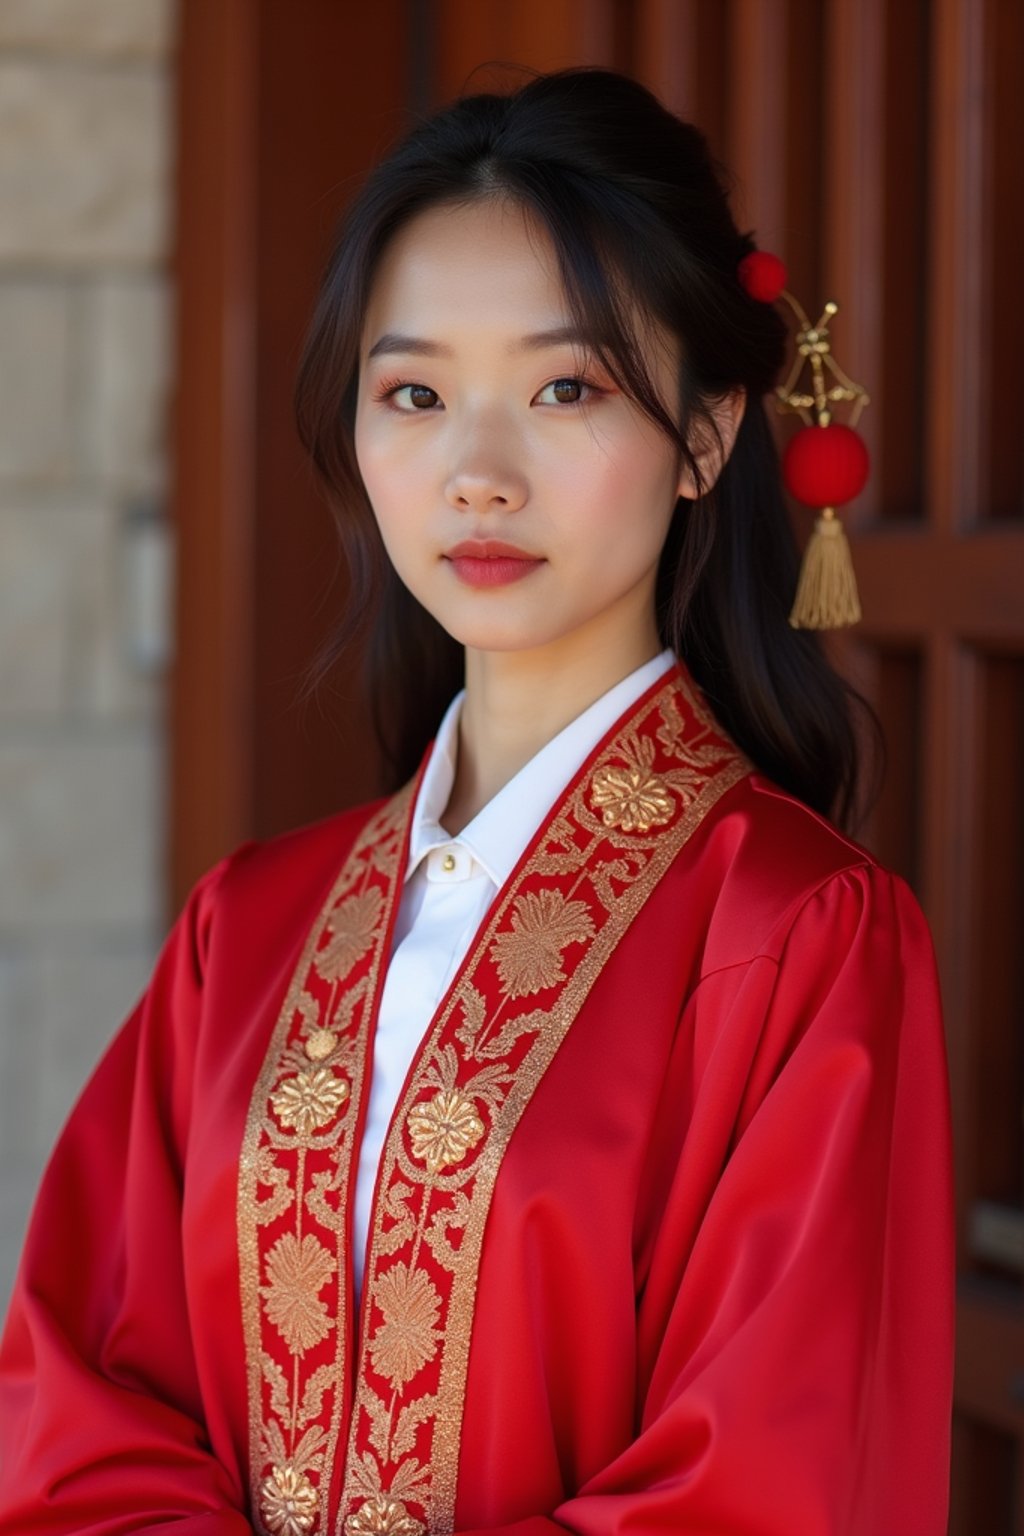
x=825 y=463
x=825 y=466
x=762 y=275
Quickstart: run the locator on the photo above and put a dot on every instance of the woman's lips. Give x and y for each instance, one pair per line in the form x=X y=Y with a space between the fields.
x=490 y=563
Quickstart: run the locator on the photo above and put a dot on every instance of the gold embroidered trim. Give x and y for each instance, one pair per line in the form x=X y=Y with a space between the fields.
x=294 y=1173
x=508 y=1011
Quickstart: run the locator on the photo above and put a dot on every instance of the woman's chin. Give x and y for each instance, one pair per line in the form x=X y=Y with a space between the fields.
x=496 y=631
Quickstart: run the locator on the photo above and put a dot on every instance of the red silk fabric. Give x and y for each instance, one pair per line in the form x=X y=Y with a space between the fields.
x=716 y=1288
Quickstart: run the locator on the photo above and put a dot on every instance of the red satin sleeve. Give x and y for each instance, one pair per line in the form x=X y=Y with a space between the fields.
x=795 y=1354
x=100 y=1417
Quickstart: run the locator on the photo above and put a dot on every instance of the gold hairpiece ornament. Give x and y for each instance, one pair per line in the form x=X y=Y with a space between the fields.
x=826 y=462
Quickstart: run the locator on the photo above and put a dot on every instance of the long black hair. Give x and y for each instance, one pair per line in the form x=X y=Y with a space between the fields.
x=638 y=214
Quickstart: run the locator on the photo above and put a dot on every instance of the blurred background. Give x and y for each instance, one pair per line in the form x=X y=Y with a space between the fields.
x=170 y=175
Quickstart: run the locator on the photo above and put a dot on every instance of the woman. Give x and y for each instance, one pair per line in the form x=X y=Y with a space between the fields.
x=562 y=1142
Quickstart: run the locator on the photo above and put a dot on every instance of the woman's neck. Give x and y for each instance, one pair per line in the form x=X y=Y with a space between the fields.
x=516 y=702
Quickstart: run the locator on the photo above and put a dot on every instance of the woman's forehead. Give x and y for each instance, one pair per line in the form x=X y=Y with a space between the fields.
x=460 y=275
x=457 y=264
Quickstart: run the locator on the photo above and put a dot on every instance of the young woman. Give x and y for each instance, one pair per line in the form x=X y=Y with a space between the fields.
x=560 y=1143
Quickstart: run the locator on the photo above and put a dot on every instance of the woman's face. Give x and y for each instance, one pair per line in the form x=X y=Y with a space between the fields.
x=475 y=426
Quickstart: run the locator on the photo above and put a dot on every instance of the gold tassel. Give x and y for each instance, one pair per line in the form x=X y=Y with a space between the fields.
x=826 y=596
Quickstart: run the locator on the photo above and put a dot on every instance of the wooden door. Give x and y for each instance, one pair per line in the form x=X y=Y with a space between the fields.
x=877 y=146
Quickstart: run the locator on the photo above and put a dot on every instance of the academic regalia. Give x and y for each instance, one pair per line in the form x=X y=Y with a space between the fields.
x=662 y=1232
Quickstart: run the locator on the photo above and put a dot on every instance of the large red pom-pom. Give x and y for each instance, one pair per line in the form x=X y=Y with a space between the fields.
x=762 y=275
x=825 y=466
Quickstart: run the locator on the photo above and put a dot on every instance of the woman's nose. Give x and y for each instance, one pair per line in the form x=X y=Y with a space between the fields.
x=483 y=487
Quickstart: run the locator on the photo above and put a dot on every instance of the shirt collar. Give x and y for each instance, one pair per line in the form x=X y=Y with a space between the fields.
x=498 y=834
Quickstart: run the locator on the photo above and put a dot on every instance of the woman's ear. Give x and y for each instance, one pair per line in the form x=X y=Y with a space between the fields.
x=712 y=454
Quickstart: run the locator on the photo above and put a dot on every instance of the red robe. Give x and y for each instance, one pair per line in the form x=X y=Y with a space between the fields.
x=662 y=1232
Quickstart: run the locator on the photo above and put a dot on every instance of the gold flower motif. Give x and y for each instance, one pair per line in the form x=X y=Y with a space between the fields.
x=297 y=1272
x=288 y=1502
x=408 y=1336
x=310 y=1100
x=631 y=797
x=320 y=1044
x=351 y=925
x=383 y=1516
x=529 y=956
x=444 y=1129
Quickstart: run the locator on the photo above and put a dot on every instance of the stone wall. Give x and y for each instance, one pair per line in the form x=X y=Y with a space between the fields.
x=85 y=227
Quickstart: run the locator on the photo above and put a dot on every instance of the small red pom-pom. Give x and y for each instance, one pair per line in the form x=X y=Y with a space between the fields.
x=825 y=466
x=762 y=275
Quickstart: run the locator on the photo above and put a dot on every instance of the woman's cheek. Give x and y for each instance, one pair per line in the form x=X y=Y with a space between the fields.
x=392 y=483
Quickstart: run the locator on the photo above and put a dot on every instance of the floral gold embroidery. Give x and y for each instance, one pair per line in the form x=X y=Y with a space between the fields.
x=310 y=1100
x=297 y=1272
x=632 y=796
x=529 y=954
x=293 y=1189
x=320 y=1044
x=288 y=1502
x=382 y=1516
x=444 y=1129
x=408 y=1336
x=352 y=926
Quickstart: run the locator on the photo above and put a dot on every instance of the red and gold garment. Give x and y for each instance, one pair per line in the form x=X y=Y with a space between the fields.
x=662 y=1232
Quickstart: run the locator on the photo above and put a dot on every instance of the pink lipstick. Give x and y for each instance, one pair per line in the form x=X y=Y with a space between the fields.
x=490 y=562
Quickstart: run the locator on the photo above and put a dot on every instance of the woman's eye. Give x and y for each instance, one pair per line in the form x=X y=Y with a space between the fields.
x=568 y=391
x=419 y=397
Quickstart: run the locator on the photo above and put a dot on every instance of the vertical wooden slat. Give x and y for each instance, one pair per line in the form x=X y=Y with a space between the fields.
x=605 y=35
x=954 y=380
x=310 y=156
x=755 y=140
x=951 y=765
x=279 y=113
x=803 y=111
x=852 y=210
x=997 y=970
x=213 y=434
x=896 y=828
x=665 y=52
x=952 y=481
x=711 y=109
x=536 y=34
x=1003 y=333
x=904 y=278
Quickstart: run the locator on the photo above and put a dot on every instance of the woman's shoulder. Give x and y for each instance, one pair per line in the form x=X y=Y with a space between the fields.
x=770 y=859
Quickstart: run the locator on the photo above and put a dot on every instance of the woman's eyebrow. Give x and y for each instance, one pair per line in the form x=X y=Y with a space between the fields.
x=395 y=341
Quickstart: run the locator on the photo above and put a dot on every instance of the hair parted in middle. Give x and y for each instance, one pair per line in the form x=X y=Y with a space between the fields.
x=637 y=211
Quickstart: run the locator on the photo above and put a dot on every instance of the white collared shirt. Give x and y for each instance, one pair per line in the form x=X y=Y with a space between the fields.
x=450 y=882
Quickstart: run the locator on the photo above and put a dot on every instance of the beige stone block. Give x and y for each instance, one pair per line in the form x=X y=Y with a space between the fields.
x=112 y=28
x=123 y=376
x=86 y=992
x=19 y=1054
x=35 y=361
x=84 y=157
x=62 y=998
x=68 y=613
x=82 y=828
x=114 y=678
x=54 y=599
x=16 y=1191
x=21 y=1157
